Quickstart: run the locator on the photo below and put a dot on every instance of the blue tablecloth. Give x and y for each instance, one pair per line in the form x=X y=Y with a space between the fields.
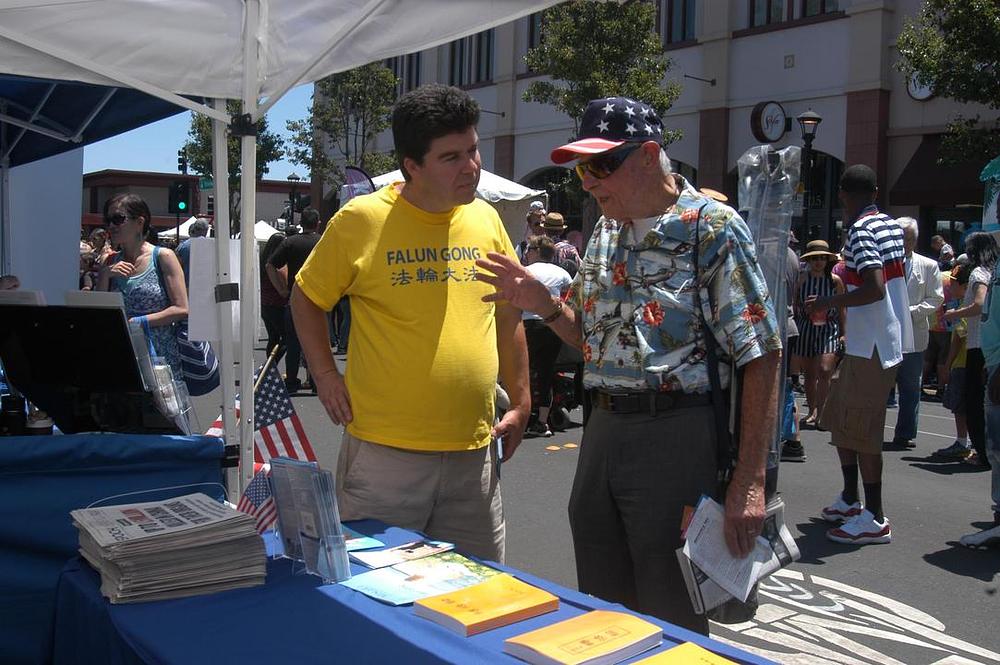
x=43 y=478
x=294 y=619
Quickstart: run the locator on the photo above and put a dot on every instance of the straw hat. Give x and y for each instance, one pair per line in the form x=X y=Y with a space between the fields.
x=817 y=248
x=553 y=222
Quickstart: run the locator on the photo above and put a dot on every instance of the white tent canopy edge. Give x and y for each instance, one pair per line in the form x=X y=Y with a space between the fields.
x=69 y=41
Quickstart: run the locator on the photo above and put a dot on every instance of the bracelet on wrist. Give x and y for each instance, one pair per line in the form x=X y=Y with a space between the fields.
x=555 y=314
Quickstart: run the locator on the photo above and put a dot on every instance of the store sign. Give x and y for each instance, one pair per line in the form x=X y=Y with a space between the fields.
x=768 y=122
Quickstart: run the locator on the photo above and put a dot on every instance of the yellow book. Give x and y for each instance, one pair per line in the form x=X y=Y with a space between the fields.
x=600 y=637
x=686 y=654
x=499 y=601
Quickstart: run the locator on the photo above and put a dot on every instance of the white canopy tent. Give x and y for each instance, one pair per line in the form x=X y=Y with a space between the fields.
x=247 y=50
x=184 y=228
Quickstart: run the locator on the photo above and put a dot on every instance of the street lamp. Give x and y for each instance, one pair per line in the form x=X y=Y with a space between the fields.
x=294 y=179
x=808 y=123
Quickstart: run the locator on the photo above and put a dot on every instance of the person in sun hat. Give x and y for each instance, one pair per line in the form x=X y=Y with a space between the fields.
x=650 y=444
x=821 y=335
x=554 y=226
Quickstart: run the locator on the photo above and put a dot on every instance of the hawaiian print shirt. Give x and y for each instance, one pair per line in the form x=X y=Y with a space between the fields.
x=640 y=329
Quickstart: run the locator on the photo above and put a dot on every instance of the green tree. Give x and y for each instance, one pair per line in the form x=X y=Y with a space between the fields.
x=600 y=49
x=270 y=148
x=347 y=112
x=591 y=50
x=953 y=46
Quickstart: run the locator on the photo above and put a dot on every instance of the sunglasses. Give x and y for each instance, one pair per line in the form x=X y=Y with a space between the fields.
x=116 y=220
x=603 y=165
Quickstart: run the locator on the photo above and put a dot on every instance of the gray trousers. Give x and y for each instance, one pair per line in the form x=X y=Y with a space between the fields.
x=635 y=475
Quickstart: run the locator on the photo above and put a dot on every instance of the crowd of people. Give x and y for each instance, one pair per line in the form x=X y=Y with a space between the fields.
x=670 y=311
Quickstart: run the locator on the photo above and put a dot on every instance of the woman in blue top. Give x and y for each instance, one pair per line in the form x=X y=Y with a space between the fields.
x=149 y=277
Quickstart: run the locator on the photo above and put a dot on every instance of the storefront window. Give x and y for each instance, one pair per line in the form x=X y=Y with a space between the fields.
x=952 y=224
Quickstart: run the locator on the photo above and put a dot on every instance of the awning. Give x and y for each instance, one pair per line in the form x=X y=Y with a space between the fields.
x=925 y=183
x=44 y=118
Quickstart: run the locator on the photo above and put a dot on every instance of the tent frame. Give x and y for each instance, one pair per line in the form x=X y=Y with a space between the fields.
x=227 y=289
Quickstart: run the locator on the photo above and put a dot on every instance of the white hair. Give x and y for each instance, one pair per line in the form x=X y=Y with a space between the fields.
x=665 y=163
x=909 y=223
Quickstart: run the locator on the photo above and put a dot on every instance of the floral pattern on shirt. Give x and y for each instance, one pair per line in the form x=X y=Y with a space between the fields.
x=636 y=296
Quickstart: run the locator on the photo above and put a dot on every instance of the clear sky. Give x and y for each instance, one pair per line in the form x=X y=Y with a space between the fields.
x=154 y=147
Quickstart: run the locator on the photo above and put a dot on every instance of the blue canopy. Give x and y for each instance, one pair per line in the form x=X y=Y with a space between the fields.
x=40 y=118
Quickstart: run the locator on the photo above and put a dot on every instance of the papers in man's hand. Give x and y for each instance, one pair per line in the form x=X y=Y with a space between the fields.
x=169 y=549
x=713 y=575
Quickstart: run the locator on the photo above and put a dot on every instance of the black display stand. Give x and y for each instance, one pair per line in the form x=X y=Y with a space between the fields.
x=77 y=364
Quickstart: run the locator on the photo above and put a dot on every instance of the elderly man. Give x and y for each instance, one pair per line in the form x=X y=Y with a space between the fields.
x=925 y=292
x=198 y=229
x=650 y=445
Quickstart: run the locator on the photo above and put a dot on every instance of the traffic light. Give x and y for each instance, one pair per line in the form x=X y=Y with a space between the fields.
x=211 y=205
x=179 y=197
x=182 y=161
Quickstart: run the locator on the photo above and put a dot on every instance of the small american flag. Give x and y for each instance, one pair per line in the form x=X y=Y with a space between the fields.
x=278 y=431
x=258 y=501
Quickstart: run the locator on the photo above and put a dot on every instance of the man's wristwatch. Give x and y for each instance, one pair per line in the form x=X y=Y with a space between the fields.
x=556 y=313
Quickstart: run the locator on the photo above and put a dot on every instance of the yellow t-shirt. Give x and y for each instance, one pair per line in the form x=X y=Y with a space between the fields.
x=422 y=362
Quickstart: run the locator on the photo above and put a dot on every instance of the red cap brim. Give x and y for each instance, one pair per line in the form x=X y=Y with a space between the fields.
x=581 y=148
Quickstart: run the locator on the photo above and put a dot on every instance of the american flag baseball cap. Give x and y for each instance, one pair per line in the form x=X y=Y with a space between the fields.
x=608 y=123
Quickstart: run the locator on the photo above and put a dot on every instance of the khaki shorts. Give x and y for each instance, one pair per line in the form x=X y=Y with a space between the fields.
x=450 y=496
x=854 y=412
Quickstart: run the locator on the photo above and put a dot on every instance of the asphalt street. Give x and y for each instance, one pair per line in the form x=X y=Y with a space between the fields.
x=921 y=599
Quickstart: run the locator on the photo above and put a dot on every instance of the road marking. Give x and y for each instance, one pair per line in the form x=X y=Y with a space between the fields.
x=806 y=618
x=570 y=445
x=554 y=449
x=920 y=431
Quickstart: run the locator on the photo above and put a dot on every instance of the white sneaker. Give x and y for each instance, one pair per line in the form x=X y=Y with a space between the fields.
x=982 y=540
x=862 y=529
x=840 y=510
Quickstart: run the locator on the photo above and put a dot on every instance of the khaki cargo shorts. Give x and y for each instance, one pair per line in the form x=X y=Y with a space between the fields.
x=854 y=412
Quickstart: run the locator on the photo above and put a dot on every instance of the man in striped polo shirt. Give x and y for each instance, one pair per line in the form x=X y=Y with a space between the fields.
x=878 y=328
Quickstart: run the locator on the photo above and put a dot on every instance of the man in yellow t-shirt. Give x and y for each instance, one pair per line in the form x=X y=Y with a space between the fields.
x=425 y=353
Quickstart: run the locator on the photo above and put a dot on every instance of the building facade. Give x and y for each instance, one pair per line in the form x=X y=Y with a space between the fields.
x=835 y=57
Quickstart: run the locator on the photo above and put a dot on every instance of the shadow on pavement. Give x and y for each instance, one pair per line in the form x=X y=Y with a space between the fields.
x=813 y=544
x=943 y=467
x=979 y=564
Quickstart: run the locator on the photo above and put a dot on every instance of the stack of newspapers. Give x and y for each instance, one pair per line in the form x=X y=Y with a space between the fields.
x=178 y=547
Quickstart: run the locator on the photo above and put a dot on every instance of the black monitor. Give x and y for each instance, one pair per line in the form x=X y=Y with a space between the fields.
x=77 y=364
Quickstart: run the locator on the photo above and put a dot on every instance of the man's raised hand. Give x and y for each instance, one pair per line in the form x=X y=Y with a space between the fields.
x=513 y=283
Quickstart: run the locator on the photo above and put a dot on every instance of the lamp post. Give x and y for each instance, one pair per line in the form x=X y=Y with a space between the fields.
x=808 y=123
x=294 y=179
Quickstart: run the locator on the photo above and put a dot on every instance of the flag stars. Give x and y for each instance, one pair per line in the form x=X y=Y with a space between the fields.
x=602 y=126
x=630 y=128
x=608 y=108
x=629 y=111
x=649 y=130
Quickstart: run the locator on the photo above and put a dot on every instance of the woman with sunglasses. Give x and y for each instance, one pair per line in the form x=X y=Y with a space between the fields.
x=150 y=278
x=822 y=334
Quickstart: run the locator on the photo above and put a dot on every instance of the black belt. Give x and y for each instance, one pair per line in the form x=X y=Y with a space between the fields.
x=635 y=402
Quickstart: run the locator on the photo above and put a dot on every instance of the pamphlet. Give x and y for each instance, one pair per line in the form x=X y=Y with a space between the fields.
x=688 y=653
x=499 y=601
x=600 y=637
x=430 y=576
x=406 y=552
x=308 y=518
x=358 y=541
x=712 y=573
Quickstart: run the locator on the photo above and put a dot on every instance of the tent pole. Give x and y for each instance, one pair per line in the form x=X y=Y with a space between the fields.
x=223 y=293
x=248 y=243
